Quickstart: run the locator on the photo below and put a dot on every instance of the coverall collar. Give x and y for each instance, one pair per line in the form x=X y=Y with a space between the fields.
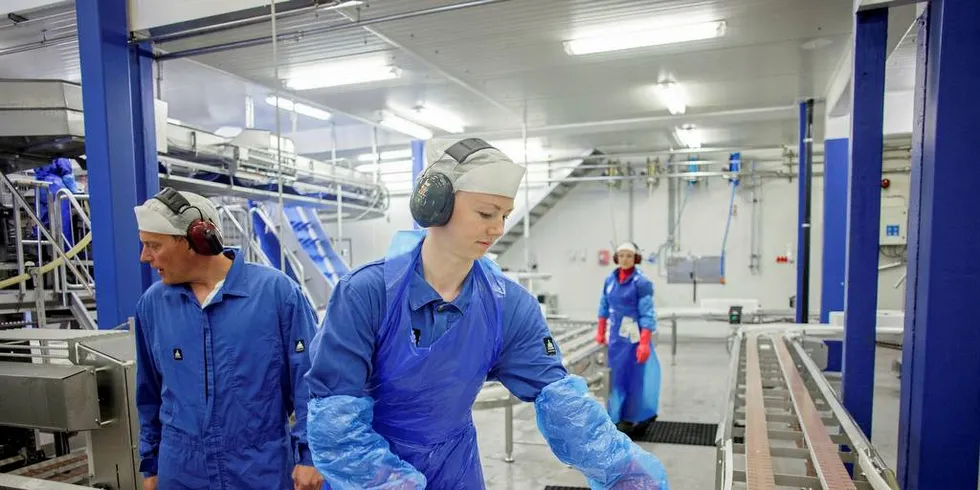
x=236 y=282
x=421 y=293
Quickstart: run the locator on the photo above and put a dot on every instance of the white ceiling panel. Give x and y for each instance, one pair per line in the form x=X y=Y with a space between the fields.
x=510 y=53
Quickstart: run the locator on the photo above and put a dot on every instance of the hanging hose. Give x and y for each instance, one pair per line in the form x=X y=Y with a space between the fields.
x=728 y=225
x=50 y=266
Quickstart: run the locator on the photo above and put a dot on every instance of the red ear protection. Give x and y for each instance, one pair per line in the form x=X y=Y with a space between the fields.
x=637 y=258
x=202 y=235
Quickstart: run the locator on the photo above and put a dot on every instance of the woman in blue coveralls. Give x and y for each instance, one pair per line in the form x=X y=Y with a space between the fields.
x=626 y=305
x=408 y=342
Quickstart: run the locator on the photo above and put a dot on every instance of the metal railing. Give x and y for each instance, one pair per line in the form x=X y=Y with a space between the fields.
x=291 y=258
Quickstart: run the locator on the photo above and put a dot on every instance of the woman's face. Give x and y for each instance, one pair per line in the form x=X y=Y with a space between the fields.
x=477 y=221
x=626 y=258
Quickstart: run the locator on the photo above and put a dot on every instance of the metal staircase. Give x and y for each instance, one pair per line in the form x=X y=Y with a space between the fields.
x=544 y=199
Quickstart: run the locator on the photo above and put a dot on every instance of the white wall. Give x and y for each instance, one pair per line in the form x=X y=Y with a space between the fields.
x=587 y=217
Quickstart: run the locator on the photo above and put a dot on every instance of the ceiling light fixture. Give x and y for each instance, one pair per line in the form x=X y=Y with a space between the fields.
x=689 y=135
x=640 y=39
x=299 y=108
x=337 y=74
x=404 y=126
x=343 y=5
x=386 y=155
x=432 y=116
x=673 y=96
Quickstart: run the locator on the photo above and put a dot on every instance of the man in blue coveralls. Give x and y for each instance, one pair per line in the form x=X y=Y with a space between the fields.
x=221 y=349
x=409 y=341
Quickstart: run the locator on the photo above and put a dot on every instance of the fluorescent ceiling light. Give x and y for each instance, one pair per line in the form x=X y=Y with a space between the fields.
x=404 y=126
x=346 y=73
x=673 y=96
x=386 y=167
x=342 y=5
x=689 y=136
x=618 y=41
x=386 y=155
x=433 y=116
x=299 y=108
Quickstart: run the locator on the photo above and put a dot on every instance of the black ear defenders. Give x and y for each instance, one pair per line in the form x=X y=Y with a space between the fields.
x=203 y=236
x=434 y=197
x=637 y=258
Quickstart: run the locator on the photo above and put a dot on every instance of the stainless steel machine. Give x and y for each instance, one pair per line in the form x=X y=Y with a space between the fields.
x=77 y=382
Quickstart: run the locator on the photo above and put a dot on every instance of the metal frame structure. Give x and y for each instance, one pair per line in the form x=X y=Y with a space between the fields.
x=792 y=425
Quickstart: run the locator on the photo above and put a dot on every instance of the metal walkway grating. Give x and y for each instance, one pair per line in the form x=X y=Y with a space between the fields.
x=682 y=433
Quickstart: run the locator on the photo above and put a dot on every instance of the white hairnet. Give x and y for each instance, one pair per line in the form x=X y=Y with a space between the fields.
x=487 y=171
x=628 y=246
x=154 y=216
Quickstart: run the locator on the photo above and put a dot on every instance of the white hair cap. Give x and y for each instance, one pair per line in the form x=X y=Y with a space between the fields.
x=628 y=246
x=153 y=216
x=487 y=171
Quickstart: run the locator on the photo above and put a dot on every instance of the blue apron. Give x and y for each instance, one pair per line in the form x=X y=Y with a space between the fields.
x=424 y=396
x=635 y=388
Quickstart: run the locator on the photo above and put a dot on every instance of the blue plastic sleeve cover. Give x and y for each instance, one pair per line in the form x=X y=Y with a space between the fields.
x=349 y=453
x=581 y=434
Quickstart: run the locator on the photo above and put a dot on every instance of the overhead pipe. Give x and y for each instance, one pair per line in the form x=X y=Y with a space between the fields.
x=301 y=33
x=44 y=43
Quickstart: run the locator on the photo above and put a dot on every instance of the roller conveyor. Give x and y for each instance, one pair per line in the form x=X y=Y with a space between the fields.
x=784 y=426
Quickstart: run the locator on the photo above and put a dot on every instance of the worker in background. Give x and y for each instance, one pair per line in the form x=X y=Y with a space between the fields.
x=58 y=175
x=627 y=318
x=408 y=342
x=221 y=349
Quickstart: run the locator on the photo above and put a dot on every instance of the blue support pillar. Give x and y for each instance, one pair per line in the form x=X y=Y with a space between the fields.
x=114 y=146
x=803 y=232
x=834 y=226
x=939 y=430
x=864 y=214
x=145 y=140
x=418 y=161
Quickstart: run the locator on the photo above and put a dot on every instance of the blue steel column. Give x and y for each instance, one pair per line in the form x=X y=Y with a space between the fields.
x=834 y=226
x=418 y=162
x=803 y=232
x=145 y=140
x=939 y=431
x=864 y=214
x=111 y=147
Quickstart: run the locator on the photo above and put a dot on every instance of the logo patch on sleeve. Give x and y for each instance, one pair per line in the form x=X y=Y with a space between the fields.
x=178 y=355
x=300 y=346
x=549 y=346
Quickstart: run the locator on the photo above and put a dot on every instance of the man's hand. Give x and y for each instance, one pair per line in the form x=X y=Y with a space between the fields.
x=305 y=478
x=150 y=483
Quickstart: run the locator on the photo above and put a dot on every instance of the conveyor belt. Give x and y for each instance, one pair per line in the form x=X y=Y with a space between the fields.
x=830 y=469
x=758 y=459
x=796 y=433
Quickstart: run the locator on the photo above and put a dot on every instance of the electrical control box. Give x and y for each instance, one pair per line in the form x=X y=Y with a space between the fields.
x=894 y=223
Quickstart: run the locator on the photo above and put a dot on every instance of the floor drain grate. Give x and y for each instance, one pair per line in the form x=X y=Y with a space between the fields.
x=683 y=433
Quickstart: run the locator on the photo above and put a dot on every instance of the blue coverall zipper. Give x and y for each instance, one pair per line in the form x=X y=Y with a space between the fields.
x=204 y=333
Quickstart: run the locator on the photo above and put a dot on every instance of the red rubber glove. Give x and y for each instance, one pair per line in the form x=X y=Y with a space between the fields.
x=600 y=336
x=643 y=350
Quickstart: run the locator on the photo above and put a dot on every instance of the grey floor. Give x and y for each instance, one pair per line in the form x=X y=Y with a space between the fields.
x=693 y=390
